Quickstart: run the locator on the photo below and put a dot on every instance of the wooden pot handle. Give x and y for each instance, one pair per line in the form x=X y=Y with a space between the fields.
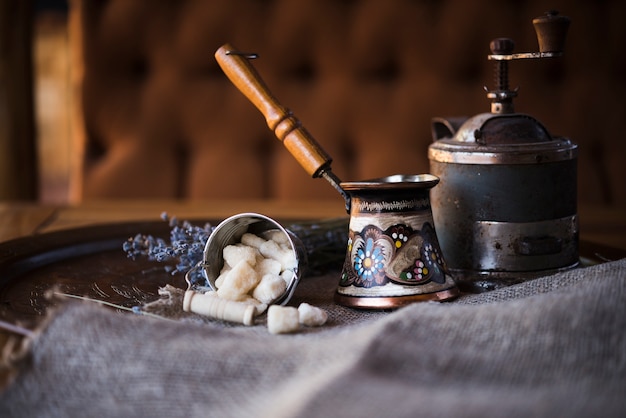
x=279 y=119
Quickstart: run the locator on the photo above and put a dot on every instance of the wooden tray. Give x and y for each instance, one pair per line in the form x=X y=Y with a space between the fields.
x=90 y=261
x=86 y=261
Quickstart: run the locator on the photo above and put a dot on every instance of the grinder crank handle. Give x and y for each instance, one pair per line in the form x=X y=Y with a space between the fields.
x=280 y=120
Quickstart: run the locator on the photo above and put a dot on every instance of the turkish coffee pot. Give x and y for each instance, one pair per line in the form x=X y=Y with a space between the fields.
x=393 y=257
x=506 y=209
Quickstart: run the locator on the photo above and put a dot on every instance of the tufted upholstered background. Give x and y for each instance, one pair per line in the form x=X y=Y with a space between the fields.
x=365 y=77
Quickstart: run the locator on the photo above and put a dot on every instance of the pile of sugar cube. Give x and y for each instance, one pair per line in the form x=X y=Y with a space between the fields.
x=256 y=272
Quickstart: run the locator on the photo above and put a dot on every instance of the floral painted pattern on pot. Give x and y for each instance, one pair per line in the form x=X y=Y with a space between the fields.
x=428 y=264
x=370 y=252
x=399 y=254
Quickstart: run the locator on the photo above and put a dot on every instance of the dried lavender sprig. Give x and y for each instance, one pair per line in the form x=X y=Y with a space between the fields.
x=135 y=309
x=324 y=241
x=186 y=244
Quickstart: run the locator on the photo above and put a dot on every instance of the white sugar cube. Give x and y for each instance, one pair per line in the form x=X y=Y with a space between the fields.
x=220 y=279
x=269 y=288
x=238 y=281
x=252 y=240
x=286 y=258
x=222 y=276
x=268 y=266
x=277 y=236
x=287 y=276
x=311 y=316
x=233 y=254
x=282 y=319
x=270 y=249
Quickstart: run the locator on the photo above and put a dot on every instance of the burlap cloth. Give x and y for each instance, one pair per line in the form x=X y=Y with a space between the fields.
x=554 y=346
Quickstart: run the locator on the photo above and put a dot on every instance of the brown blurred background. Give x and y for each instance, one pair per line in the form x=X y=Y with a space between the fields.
x=123 y=98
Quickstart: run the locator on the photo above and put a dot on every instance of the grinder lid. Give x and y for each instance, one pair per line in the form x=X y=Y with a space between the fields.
x=506 y=138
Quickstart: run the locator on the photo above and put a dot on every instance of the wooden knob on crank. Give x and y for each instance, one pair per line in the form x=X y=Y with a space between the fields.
x=279 y=119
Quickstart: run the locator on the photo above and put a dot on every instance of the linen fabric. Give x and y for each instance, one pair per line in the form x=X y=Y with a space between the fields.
x=549 y=347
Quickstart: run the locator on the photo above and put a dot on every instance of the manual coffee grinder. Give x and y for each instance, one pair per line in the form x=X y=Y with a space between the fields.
x=505 y=209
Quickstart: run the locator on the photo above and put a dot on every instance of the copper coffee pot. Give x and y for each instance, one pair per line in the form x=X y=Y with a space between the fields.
x=393 y=256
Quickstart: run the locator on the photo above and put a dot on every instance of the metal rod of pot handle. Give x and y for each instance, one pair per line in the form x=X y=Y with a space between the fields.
x=287 y=128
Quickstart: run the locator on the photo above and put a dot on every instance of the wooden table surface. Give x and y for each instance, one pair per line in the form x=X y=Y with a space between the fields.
x=23 y=219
